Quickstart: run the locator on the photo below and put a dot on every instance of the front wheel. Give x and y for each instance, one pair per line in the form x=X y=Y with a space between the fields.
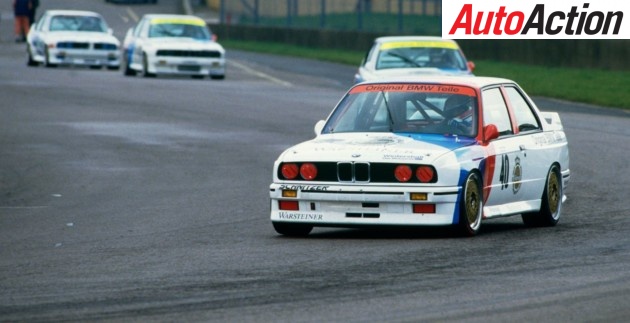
x=47 y=62
x=551 y=205
x=292 y=229
x=471 y=206
x=31 y=61
x=145 y=67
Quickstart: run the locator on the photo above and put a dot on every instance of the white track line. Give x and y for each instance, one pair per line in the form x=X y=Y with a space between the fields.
x=249 y=70
x=132 y=14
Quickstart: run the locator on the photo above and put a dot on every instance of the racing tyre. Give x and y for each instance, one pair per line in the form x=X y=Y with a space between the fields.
x=145 y=67
x=47 y=60
x=30 y=61
x=217 y=77
x=471 y=206
x=551 y=205
x=292 y=229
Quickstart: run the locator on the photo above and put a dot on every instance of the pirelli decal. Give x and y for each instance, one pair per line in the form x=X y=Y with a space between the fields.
x=423 y=88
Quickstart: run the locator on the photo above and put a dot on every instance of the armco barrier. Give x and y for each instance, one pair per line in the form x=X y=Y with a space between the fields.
x=598 y=54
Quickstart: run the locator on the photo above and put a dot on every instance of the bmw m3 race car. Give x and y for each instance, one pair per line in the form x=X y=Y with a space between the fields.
x=72 y=37
x=175 y=45
x=403 y=56
x=444 y=151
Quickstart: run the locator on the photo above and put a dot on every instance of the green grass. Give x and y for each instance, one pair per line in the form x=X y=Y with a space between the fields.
x=605 y=88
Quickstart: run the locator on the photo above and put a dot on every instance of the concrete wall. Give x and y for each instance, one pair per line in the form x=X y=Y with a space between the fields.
x=599 y=54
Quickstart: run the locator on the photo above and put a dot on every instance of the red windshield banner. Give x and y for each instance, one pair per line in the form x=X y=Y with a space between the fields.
x=423 y=88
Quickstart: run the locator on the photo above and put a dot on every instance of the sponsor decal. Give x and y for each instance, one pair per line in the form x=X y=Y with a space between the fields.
x=517 y=175
x=305 y=188
x=300 y=216
x=535 y=19
x=424 y=88
x=402 y=157
x=178 y=21
x=421 y=44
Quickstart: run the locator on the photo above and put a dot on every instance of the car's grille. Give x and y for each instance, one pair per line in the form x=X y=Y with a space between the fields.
x=189 y=68
x=105 y=46
x=356 y=172
x=353 y=172
x=189 y=53
x=73 y=45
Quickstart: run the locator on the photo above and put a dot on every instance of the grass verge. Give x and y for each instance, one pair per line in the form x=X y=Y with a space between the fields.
x=605 y=88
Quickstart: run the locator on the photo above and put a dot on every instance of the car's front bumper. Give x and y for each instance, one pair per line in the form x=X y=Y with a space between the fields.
x=84 y=57
x=187 y=66
x=349 y=205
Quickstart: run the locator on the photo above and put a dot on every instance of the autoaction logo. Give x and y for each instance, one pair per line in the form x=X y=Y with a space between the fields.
x=535 y=19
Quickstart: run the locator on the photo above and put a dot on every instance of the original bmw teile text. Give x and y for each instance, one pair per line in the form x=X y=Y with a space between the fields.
x=527 y=19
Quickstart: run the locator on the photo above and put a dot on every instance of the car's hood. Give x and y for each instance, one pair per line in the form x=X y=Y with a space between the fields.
x=375 y=147
x=81 y=36
x=180 y=43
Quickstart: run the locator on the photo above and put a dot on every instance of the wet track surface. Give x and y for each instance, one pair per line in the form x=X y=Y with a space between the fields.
x=133 y=199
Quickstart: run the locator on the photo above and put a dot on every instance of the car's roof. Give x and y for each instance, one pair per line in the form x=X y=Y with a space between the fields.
x=57 y=12
x=471 y=81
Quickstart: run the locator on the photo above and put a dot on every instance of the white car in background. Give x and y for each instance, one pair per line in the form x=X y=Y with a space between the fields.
x=175 y=45
x=404 y=56
x=71 y=37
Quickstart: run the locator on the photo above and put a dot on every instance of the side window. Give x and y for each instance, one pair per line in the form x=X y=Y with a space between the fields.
x=523 y=113
x=138 y=31
x=370 y=54
x=495 y=111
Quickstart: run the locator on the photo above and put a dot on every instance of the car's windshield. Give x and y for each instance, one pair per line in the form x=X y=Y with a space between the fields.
x=77 y=23
x=407 y=108
x=436 y=57
x=179 y=30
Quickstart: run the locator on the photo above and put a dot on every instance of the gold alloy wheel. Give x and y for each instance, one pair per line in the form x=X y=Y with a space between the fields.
x=553 y=193
x=472 y=201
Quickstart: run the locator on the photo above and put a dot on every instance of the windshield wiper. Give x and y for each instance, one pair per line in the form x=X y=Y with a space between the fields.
x=404 y=58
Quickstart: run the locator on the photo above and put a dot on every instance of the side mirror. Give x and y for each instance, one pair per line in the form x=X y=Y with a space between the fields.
x=490 y=132
x=319 y=126
x=471 y=65
x=110 y=31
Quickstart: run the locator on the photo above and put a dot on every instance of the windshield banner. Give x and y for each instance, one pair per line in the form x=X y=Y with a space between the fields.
x=535 y=19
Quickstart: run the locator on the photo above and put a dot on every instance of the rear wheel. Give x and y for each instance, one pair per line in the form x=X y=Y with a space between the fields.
x=292 y=229
x=551 y=205
x=471 y=206
x=217 y=77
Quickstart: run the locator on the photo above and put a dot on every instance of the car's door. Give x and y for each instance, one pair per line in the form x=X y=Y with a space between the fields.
x=138 y=35
x=502 y=182
x=533 y=163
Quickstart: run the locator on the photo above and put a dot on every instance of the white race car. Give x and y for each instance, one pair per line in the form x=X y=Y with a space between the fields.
x=444 y=151
x=173 y=44
x=402 y=56
x=71 y=37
